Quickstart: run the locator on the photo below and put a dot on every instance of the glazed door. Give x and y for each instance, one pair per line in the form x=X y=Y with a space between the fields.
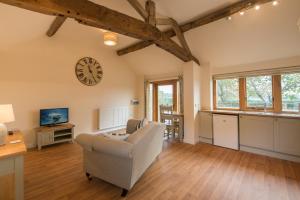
x=164 y=93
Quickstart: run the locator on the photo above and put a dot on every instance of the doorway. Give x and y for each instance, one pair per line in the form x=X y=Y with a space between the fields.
x=164 y=93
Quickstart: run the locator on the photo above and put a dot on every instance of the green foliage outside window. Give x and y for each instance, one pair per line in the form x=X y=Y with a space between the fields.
x=259 y=91
x=228 y=93
x=290 y=87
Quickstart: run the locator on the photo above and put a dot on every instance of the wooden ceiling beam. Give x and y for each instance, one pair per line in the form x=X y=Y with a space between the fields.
x=56 y=24
x=151 y=10
x=180 y=35
x=206 y=19
x=139 y=8
x=89 y=13
x=177 y=30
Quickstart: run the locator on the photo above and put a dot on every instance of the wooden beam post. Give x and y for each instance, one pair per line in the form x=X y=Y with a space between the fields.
x=180 y=36
x=91 y=14
x=57 y=23
x=150 y=9
x=206 y=19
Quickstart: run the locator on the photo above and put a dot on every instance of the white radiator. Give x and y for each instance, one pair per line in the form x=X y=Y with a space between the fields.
x=113 y=117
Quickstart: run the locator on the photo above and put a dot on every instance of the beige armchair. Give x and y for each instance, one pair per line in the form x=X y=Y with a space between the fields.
x=121 y=163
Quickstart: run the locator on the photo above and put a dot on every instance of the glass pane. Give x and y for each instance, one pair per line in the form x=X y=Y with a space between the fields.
x=259 y=92
x=165 y=96
x=290 y=86
x=228 y=93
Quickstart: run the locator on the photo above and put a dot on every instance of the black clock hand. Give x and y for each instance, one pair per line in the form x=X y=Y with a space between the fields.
x=90 y=70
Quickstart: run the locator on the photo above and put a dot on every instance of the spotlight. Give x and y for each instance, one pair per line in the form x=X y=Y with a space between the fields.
x=257 y=7
x=229 y=18
x=242 y=13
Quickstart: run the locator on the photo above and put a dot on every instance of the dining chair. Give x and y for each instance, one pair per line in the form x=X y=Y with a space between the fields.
x=165 y=109
x=167 y=118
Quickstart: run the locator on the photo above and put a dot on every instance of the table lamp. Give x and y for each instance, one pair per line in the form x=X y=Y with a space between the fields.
x=6 y=115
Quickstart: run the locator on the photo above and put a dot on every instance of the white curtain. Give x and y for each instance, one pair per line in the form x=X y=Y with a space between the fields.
x=148 y=100
x=180 y=94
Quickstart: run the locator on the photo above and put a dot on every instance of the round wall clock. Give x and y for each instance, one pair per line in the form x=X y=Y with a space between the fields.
x=88 y=71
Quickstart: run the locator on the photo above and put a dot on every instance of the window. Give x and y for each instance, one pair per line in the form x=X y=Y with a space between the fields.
x=290 y=87
x=276 y=90
x=259 y=92
x=227 y=93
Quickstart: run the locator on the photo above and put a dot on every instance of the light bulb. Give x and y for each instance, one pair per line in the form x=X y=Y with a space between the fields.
x=229 y=18
x=257 y=7
x=275 y=3
x=242 y=13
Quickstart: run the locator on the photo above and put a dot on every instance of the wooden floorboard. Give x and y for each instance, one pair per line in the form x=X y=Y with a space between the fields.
x=182 y=171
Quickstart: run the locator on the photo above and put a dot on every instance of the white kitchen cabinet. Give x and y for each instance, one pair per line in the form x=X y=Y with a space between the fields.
x=206 y=127
x=225 y=131
x=287 y=136
x=256 y=131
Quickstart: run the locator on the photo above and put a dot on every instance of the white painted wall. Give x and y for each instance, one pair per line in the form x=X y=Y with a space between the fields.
x=39 y=72
x=191 y=84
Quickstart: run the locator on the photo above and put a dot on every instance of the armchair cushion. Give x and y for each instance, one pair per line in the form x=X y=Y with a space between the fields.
x=132 y=125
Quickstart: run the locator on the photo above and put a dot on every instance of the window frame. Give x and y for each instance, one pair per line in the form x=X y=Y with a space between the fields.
x=250 y=108
x=282 y=111
x=276 y=96
x=215 y=97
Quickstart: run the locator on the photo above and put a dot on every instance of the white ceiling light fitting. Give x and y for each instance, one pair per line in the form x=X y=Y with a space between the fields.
x=275 y=3
x=109 y=38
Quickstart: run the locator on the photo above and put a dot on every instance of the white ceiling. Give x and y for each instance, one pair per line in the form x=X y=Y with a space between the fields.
x=265 y=35
x=268 y=34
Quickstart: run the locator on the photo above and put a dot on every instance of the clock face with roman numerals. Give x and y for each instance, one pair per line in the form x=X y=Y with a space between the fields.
x=88 y=71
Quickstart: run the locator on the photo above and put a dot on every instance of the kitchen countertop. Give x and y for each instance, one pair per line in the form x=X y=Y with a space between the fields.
x=254 y=113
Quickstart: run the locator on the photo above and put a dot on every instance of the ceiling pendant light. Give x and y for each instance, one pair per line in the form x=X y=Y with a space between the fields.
x=110 y=38
x=275 y=3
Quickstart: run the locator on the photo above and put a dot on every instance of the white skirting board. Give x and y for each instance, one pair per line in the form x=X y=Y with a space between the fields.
x=270 y=153
x=113 y=117
x=206 y=140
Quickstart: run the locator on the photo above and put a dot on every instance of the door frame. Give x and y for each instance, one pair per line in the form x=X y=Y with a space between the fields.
x=155 y=95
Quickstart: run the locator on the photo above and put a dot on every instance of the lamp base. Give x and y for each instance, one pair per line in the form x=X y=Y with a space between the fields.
x=3 y=134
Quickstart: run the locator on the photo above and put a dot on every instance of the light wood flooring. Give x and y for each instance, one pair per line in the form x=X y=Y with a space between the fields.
x=182 y=172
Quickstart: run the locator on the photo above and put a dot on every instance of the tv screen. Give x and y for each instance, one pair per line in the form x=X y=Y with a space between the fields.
x=54 y=116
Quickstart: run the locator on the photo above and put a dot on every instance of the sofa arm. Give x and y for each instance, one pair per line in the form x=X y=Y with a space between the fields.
x=105 y=145
x=86 y=141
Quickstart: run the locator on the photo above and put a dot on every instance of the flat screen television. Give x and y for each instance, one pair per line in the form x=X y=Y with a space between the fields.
x=51 y=117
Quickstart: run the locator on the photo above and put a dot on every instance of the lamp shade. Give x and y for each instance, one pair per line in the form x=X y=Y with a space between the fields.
x=110 y=38
x=6 y=113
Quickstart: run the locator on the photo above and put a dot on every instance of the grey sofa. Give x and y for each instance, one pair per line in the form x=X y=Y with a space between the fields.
x=121 y=163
